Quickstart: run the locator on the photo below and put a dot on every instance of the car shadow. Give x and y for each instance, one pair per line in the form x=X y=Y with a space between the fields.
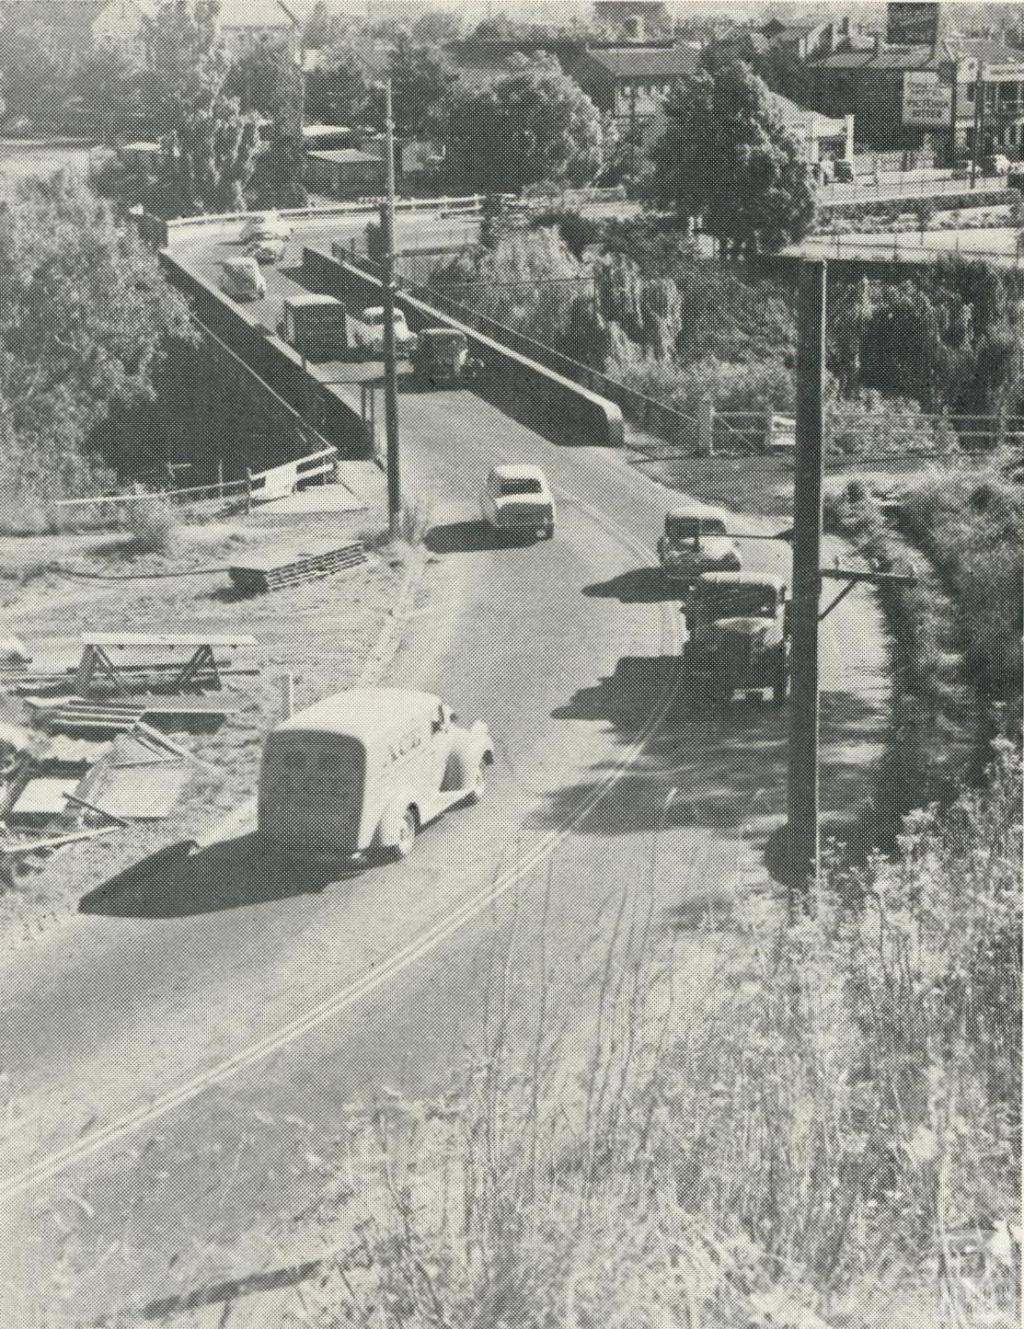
x=460 y=537
x=182 y=880
x=637 y=586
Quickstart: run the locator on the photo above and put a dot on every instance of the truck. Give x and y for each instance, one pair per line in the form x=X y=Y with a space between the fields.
x=738 y=635
x=696 y=540
x=363 y=771
x=315 y=325
x=442 y=359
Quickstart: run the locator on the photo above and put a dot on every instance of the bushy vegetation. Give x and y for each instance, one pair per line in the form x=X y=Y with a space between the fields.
x=806 y=1122
x=86 y=323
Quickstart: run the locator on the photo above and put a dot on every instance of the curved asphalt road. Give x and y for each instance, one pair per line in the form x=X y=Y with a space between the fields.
x=566 y=649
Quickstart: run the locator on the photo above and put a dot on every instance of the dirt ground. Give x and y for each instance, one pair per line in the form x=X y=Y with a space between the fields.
x=321 y=632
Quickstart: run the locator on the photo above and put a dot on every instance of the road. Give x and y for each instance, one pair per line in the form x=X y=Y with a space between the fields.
x=998 y=245
x=176 y=1059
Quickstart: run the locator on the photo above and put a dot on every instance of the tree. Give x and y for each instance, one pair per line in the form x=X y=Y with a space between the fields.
x=187 y=61
x=108 y=81
x=534 y=124
x=420 y=78
x=725 y=157
x=85 y=323
x=319 y=29
x=36 y=72
x=267 y=82
x=438 y=26
x=339 y=93
x=207 y=163
x=265 y=79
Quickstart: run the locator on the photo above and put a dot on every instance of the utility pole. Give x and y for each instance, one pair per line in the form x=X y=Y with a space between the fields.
x=955 y=76
x=390 y=369
x=802 y=838
x=979 y=122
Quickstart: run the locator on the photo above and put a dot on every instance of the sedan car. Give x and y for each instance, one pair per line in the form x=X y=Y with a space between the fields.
x=268 y=249
x=517 y=501
x=696 y=540
x=266 y=226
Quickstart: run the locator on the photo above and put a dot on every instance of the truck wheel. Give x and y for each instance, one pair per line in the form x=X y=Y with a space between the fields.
x=406 y=837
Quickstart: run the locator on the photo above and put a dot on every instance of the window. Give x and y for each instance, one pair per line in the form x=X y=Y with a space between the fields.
x=526 y=485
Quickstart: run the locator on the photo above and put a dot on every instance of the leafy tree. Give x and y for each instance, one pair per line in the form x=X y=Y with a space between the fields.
x=534 y=124
x=420 y=78
x=187 y=61
x=319 y=29
x=85 y=323
x=726 y=157
x=36 y=72
x=108 y=81
x=339 y=93
x=903 y=351
x=576 y=230
x=437 y=26
x=265 y=79
x=207 y=163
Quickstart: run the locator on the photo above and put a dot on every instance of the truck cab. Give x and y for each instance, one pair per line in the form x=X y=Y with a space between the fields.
x=441 y=358
x=738 y=635
x=315 y=325
x=364 y=771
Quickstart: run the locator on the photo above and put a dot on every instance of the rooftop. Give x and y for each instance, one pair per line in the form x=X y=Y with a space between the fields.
x=255 y=14
x=647 y=61
x=362 y=712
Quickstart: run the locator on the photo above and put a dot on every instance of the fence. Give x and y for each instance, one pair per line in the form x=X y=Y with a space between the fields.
x=261 y=487
x=905 y=247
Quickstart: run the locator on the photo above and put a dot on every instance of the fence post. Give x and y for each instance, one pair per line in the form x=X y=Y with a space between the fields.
x=706 y=427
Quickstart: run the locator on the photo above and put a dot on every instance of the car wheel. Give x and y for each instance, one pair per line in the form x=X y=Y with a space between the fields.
x=406 y=837
x=479 y=785
x=548 y=532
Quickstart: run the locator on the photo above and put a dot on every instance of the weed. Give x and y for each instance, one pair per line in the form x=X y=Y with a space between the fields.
x=154 y=526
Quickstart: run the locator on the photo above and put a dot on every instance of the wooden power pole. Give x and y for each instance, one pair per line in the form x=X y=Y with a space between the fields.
x=390 y=365
x=802 y=843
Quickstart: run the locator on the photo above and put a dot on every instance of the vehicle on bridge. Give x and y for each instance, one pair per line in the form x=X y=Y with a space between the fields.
x=267 y=249
x=442 y=359
x=517 y=501
x=314 y=325
x=738 y=634
x=266 y=226
x=696 y=540
x=242 y=280
x=365 y=770
x=366 y=333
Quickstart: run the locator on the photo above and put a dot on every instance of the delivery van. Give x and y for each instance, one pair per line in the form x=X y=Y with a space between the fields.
x=364 y=771
x=315 y=325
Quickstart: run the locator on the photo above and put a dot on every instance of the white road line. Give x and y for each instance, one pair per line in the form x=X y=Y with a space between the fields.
x=101 y=1139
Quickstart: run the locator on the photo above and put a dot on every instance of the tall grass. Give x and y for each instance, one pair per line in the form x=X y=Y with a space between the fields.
x=818 y=1126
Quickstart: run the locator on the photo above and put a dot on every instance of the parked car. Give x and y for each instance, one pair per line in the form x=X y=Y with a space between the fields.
x=266 y=226
x=365 y=770
x=242 y=280
x=268 y=249
x=696 y=540
x=366 y=333
x=738 y=635
x=314 y=325
x=442 y=358
x=517 y=501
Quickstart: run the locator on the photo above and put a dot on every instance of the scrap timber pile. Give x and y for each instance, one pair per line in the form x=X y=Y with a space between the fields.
x=95 y=758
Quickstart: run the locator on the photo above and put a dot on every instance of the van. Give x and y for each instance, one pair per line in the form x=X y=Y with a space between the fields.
x=242 y=279
x=315 y=325
x=365 y=770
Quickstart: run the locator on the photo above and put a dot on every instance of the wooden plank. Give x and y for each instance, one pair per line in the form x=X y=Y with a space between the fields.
x=91 y=807
x=14 y=847
x=124 y=640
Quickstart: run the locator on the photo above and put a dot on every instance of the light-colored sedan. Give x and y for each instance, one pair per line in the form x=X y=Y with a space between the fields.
x=696 y=540
x=266 y=226
x=518 y=501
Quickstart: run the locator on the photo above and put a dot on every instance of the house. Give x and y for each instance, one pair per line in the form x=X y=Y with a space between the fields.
x=631 y=82
x=245 y=24
x=71 y=20
x=121 y=25
x=345 y=172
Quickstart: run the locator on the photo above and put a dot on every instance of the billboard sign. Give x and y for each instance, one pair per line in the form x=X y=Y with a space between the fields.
x=912 y=24
x=1005 y=73
x=927 y=103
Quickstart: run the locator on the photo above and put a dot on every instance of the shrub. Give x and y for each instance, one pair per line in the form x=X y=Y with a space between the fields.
x=154 y=526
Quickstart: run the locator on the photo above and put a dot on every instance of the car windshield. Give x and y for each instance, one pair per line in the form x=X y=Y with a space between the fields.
x=445 y=343
x=520 y=485
x=689 y=528
x=740 y=601
x=373 y=316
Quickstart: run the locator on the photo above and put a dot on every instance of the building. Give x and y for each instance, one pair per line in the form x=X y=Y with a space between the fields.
x=631 y=82
x=633 y=19
x=245 y=24
x=345 y=173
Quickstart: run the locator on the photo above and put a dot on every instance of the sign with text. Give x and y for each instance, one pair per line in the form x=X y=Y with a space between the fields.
x=912 y=24
x=1006 y=73
x=927 y=103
